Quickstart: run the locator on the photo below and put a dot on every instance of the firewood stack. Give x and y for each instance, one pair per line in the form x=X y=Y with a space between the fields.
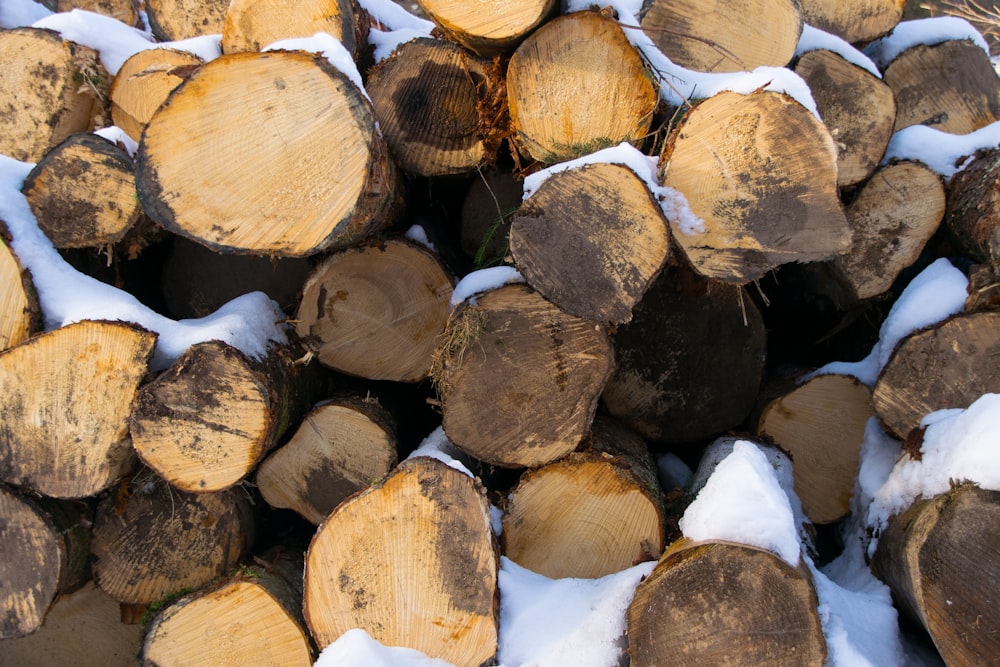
x=226 y=495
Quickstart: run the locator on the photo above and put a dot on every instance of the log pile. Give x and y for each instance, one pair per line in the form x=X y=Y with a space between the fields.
x=230 y=495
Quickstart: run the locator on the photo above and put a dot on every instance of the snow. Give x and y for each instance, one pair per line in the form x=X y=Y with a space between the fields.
x=484 y=280
x=943 y=153
x=813 y=39
x=438 y=446
x=929 y=31
x=400 y=27
x=356 y=647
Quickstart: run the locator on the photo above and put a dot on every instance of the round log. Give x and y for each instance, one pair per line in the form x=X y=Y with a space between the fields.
x=251 y=25
x=485 y=27
x=973 y=207
x=143 y=83
x=171 y=20
x=20 y=312
x=853 y=20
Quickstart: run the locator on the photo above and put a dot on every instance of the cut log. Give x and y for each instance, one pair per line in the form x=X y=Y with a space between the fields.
x=490 y=202
x=486 y=27
x=724 y=36
x=973 y=210
x=591 y=240
x=857 y=107
x=82 y=193
x=82 y=629
x=590 y=514
x=125 y=11
x=519 y=378
x=151 y=541
x=950 y=86
x=252 y=617
x=65 y=397
x=577 y=85
x=208 y=420
x=690 y=363
x=341 y=447
x=760 y=171
x=938 y=558
x=197 y=280
x=853 y=20
x=281 y=157
x=821 y=425
x=892 y=218
x=251 y=25
x=946 y=365
x=142 y=84
x=20 y=312
x=45 y=552
x=717 y=603
x=51 y=87
x=171 y=20
x=376 y=311
x=421 y=535
x=439 y=107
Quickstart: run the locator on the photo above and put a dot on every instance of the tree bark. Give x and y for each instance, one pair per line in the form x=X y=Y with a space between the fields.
x=485 y=27
x=43 y=74
x=282 y=158
x=422 y=535
x=151 y=541
x=519 y=379
x=946 y=365
x=590 y=514
x=251 y=25
x=724 y=37
x=690 y=363
x=20 y=312
x=973 y=210
x=591 y=240
x=578 y=85
x=65 y=396
x=853 y=20
x=341 y=447
x=171 y=20
x=937 y=558
x=717 y=603
x=143 y=83
x=440 y=108
x=857 y=107
x=205 y=422
x=760 y=171
x=376 y=311
x=821 y=425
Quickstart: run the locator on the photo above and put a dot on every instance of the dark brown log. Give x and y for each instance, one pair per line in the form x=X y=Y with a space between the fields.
x=208 y=420
x=519 y=378
x=83 y=194
x=20 y=312
x=760 y=171
x=439 y=107
x=281 y=158
x=724 y=37
x=171 y=20
x=973 y=211
x=577 y=85
x=251 y=25
x=690 y=363
x=853 y=20
x=341 y=447
x=65 y=397
x=51 y=88
x=593 y=513
x=486 y=27
x=423 y=535
x=490 y=202
x=591 y=240
x=717 y=603
x=377 y=311
x=151 y=541
x=45 y=552
x=946 y=365
x=940 y=558
x=142 y=84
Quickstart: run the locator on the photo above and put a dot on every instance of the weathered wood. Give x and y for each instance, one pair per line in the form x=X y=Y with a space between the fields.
x=519 y=378
x=853 y=20
x=717 y=603
x=591 y=240
x=973 y=207
x=590 y=514
x=946 y=365
x=724 y=36
x=171 y=20
x=341 y=447
x=422 y=535
x=940 y=558
x=125 y=11
x=251 y=25
x=821 y=425
x=142 y=84
x=205 y=422
x=65 y=396
x=760 y=171
x=20 y=312
x=857 y=107
x=690 y=363
x=281 y=157
x=376 y=311
x=151 y=541
x=439 y=107
x=51 y=88
x=486 y=27
x=577 y=85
